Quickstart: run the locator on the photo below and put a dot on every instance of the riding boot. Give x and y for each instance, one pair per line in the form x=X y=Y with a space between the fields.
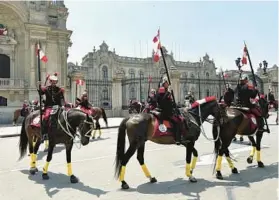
x=260 y=122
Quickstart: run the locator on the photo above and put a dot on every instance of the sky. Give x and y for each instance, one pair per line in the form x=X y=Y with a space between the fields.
x=188 y=28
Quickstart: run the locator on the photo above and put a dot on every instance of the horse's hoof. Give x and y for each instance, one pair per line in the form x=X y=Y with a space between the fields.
x=73 y=179
x=93 y=138
x=250 y=160
x=192 y=179
x=33 y=170
x=234 y=139
x=46 y=150
x=45 y=176
x=234 y=171
x=124 y=185
x=153 y=180
x=219 y=175
x=260 y=164
x=241 y=139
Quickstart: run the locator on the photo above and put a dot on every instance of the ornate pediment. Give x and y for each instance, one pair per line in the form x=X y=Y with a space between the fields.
x=7 y=40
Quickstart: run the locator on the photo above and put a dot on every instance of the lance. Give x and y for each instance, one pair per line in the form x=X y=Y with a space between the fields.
x=38 y=46
x=149 y=82
x=168 y=76
x=254 y=80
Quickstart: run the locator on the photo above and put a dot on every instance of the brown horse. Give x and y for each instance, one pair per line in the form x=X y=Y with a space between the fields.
x=135 y=107
x=18 y=113
x=97 y=113
x=242 y=122
x=65 y=132
x=147 y=126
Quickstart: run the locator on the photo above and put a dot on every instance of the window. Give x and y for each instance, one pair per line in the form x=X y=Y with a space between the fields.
x=105 y=72
x=141 y=74
x=184 y=75
x=105 y=94
x=192 y=76
x=207 y=75
x=4 y=66
x=132 y=94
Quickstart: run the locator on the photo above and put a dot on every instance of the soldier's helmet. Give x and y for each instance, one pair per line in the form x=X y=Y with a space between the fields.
x=53 y=78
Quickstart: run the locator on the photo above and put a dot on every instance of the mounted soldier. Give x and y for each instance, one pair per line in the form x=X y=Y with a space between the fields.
x=151 y=100
x=167 y=107
x=246 y=92
x=25 y=108
x=84 y=104
x=228 y=95
x=54 y=96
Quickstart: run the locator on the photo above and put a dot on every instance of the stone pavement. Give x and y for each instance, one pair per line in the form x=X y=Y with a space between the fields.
x=93 y=164
x=12 y=131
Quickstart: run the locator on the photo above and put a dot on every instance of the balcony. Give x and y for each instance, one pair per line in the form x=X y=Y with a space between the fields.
x=12 y=84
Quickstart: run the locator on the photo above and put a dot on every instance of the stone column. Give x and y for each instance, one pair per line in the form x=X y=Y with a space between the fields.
x=80 y=88
x=175 y=82
x=32 y=65
x=117 y=94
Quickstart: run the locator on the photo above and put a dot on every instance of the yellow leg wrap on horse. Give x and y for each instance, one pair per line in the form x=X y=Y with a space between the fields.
x=122 y=173
x=188 y=170
x=194 y=162
x=33 y=160
x=94 y=133
x=258 y=155
x=229 y=160
x=219 y=163
x=69 y=166
x=253 y=150
x=100 y=132
x=46 y=144
x=45 y=169
x=146 y=171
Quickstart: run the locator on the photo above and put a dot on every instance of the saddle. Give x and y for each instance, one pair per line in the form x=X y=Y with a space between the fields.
x=53 y=118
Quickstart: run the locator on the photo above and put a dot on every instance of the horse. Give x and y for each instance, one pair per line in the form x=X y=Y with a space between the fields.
x=19 y=113
x=135 y=107
x=148 y=126
x=68 y=122
x=97 y=113
x=239 y=121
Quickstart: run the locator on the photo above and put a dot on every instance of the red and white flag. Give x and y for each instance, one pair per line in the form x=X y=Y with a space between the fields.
x=157 y=46
x=226 y=75
x=244 y=56
x=80 y=82
x=42 y=55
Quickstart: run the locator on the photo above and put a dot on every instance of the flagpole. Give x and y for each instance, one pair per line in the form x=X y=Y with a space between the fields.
x=76 y=89
x=39 y=79
x=254 y=80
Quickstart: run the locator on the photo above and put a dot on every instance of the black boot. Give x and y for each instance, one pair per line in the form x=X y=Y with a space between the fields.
x=44 y=130
x=260 y=122
x=177 y=134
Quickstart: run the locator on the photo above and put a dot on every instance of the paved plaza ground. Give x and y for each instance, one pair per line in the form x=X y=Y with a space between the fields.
x=93 y=165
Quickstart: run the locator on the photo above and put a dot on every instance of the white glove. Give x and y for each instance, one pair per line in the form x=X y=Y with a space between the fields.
x=169 y=88
x=63 y=107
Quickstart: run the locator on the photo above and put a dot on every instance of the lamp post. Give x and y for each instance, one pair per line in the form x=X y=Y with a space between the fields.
x=264 y=64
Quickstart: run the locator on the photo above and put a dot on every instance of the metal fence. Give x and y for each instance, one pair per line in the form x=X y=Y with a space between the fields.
x=99 y=92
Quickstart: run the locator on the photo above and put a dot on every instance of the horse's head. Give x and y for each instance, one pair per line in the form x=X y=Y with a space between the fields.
x=83 y=121
x=208 y=106
x=264 y=107
x=134 y=107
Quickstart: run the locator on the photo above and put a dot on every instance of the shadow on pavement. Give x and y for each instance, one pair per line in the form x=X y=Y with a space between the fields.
x=56 y=149
x=99 y=139
x=60 y=181
x=249 y=175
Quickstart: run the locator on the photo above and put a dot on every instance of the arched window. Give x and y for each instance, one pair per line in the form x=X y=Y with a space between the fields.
x=141 y=74
x=132 y=74
x=192 y=76
x=4 y=66
x=105 y=94
x=105 y=72
x=207 y=92
x=162 y=71
x=207 y=75
x=184 y=75
x=132 y=94
x=185 y=89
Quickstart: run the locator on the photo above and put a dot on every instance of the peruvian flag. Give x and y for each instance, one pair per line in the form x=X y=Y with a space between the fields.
x=244 y=56
x=226 y=75
x=42 y=55
x=157 y=46
x=80 y=82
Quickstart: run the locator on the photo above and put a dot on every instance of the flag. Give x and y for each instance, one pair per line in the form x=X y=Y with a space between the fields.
x=42 y=55
x=157 y=46
x=244 y=56
x=226 y=75
x=149 y=79
x=80 y=82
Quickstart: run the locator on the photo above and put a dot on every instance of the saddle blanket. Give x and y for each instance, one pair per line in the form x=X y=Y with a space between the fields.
x=36 y=122
x=252 y=121
x=162 y=129
x=89 y=111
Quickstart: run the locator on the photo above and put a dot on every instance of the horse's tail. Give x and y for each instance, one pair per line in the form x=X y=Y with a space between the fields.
x=104 y=116
x=120 y=151
x=23 y=140
x=16 y=115
x=217 y=143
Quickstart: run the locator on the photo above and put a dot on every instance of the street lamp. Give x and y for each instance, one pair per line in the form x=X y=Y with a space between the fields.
x=264 y=64
x=237 y=63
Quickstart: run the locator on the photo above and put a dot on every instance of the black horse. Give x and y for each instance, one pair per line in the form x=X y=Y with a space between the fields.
x=136 y=107
x=64 y=132
x=147 y=126
x=239 y=121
